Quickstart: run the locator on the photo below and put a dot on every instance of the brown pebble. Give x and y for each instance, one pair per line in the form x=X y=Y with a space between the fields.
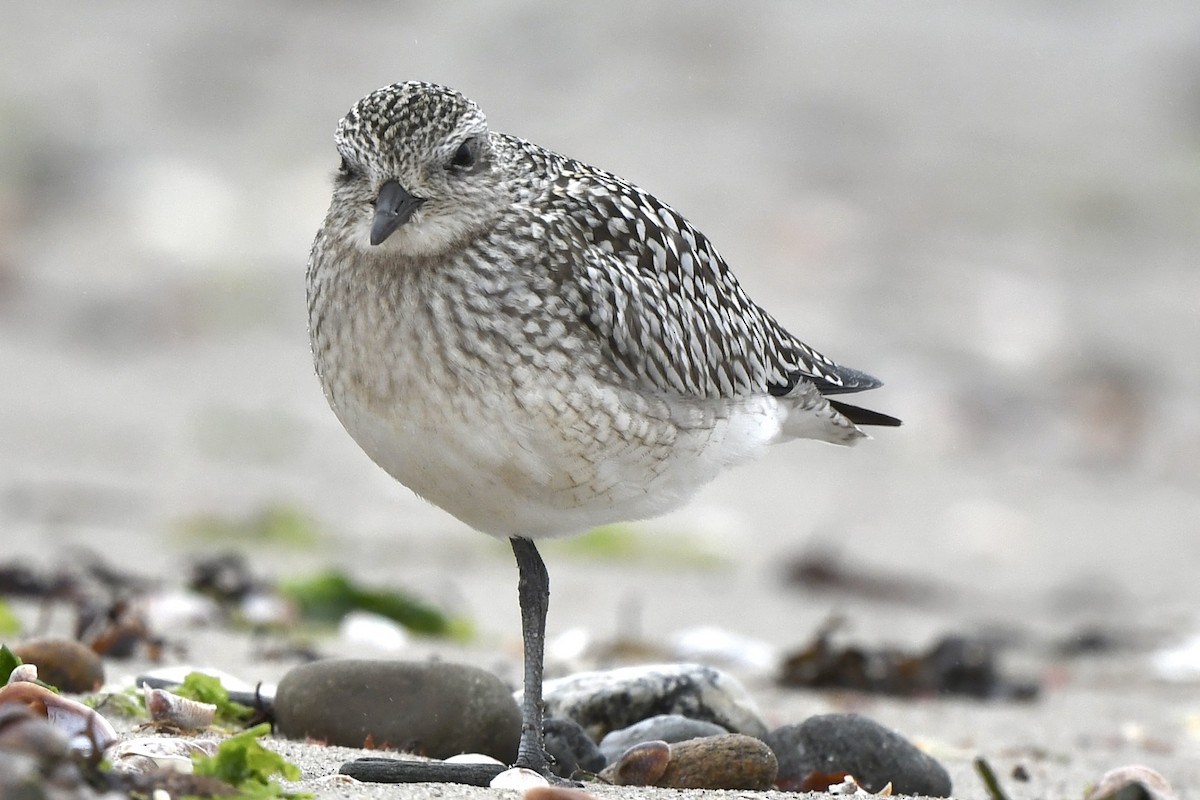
x=729 y=761
x=65 y=664
x=641 y=765
x=556 y=793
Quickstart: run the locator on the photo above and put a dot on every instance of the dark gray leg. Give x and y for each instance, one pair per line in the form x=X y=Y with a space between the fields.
x=533 y=589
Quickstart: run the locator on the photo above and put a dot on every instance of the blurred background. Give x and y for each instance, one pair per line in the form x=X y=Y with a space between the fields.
x=994 y=207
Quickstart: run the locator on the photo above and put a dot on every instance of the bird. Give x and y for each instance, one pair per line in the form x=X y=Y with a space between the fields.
x=538 y=346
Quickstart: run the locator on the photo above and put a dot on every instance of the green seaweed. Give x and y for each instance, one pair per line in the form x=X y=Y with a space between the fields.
x=246 y=765
x=330 y=595
x=207 y=689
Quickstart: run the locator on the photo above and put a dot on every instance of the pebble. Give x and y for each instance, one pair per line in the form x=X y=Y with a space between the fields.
x=612 y=699
x=851 y=743
x=664 y=727
x=571 y=749
x=557 y=793
x=434 y=709
x=727 y=761
x=65 y=664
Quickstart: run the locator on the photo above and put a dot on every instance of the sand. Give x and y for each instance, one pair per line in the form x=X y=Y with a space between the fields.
x=991 y=207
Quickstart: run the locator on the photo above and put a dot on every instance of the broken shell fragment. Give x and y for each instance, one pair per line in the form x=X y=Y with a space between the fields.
x=86 y=728
x=169 y=710
x=153 y=753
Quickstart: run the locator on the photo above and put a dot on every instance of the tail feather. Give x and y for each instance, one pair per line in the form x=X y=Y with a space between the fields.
x=863 y=416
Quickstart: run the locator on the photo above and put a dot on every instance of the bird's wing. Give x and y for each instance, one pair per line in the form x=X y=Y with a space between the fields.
x=670 y=310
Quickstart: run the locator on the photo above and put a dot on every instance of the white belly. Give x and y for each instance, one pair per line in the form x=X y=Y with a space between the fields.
x=539 y=458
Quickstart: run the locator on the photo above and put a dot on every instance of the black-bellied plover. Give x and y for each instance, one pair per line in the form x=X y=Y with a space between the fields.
x=538 y=346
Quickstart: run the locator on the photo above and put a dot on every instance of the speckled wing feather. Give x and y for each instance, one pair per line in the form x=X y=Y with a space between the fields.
x=669 y=308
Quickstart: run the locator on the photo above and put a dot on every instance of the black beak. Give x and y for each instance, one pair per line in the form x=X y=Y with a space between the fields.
x=393 y=208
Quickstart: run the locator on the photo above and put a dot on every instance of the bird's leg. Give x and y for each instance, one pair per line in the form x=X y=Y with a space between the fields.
x=533 y=589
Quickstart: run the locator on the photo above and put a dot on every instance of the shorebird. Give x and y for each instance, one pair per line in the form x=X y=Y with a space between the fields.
x=538 y=346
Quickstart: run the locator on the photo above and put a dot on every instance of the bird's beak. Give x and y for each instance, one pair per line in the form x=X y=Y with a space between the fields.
x=393 y=208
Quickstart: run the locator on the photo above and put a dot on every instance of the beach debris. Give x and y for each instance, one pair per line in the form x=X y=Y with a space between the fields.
x=824 y=570
x=1133 y=782
x=241 y=762
x=328 y=596
x=146 y=754
x=955 y=665
x=86 y=729
x=990 y=782
x=171 y=712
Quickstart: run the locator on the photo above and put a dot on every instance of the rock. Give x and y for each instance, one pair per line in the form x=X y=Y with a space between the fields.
x=432 y=709
x=609 y=700
x=668 y=728
x=571 y=748
x=641 y=765
x=65 y=664
x=851 y=743
x=729 y=761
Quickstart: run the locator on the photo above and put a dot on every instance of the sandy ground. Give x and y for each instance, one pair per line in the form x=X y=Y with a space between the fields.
x=992 y=207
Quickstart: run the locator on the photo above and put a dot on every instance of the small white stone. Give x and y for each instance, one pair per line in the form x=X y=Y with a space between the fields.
x=518 y=778
x=372 y=630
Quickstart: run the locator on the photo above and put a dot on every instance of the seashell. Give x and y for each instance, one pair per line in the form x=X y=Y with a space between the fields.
x=24 y=672
x=154 y=753
x=518 y=778
x=169 y=710
x=1115 y=781
x=641 y=765
x=85 y=727
x=22 y=731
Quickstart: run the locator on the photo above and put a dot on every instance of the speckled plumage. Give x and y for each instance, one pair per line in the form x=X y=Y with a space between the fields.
x=536 y=345
x=543 y=347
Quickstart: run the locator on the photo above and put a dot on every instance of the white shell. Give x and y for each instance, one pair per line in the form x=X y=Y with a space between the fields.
x=150 y=753
x=518 y=778
x=24 y=672
x=81 y=724
x=168 y=709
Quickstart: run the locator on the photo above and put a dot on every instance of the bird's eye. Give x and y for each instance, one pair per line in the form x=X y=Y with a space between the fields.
x=464 y=157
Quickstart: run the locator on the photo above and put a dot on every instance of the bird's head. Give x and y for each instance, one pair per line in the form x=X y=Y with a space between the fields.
x=418 y=173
